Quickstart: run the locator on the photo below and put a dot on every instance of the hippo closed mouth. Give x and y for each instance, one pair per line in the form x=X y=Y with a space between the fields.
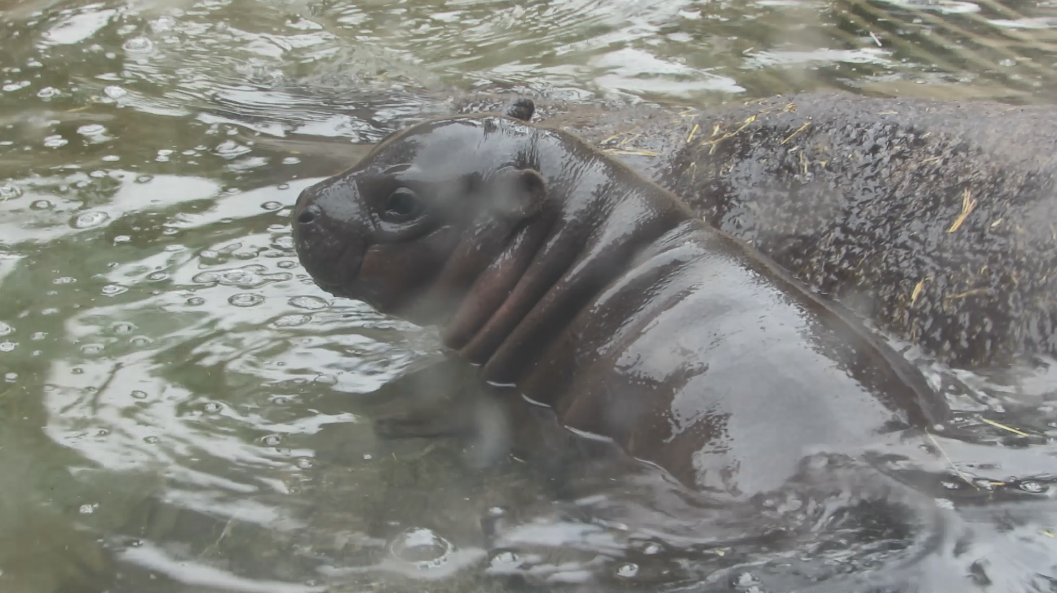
x=600 y=294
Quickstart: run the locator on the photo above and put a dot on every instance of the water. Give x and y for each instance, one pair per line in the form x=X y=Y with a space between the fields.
x=181 y=410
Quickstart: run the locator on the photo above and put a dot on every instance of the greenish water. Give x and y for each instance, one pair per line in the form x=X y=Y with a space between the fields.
x=182 y=410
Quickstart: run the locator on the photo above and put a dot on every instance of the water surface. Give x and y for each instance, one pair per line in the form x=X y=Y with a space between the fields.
x=182 y=410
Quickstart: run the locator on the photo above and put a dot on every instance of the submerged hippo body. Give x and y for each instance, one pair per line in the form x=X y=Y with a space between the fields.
x=600 y=294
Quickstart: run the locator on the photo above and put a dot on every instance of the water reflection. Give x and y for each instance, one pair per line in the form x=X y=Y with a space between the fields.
x=181 y=410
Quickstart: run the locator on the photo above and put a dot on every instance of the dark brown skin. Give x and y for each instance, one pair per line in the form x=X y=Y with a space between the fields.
x=602 y=295
x=864 y=203
x=855 y=197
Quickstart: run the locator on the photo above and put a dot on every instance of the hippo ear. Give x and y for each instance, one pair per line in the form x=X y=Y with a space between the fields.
x=521 y=108
x=519 y=193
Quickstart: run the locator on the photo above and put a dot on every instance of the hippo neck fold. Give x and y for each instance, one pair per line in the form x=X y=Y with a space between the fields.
x=598 y=217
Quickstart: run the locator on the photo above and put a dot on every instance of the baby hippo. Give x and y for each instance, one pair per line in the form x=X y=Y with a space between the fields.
x=598 y=293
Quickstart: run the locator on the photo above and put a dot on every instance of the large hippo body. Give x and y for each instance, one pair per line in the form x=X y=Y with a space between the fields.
x=934 y=219
x=600 y=294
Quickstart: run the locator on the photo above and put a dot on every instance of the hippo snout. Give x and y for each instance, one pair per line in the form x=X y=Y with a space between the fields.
x=330 y=229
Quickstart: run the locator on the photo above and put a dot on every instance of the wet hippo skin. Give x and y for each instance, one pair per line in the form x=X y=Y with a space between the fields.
x=936 y=220
x=596 y=292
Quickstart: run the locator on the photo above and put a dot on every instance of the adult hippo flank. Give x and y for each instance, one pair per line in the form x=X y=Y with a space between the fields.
x=600 y=294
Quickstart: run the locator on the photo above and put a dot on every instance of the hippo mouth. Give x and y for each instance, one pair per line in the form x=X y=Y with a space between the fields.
x=354 y=275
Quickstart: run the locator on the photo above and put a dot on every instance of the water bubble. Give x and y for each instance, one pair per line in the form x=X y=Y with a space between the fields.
x=367 y=457
x=77 y=370
x=91 y=130
x=55 y=141
x=280 y=400
x=5 y=329
x=286 y=265
x=157 y=276
x=195 y=301
x=102 y=432
x=286 y=242
x=304 y=463
x=292 y=320
x=273 y=205
x=47 y=92
x=628 y=570
x=33 y=63
x=14 y=86
x=38 y=336
x=151 y=440
x=88 y=509
x=41 y=205
x=652 y=549
x=114 y=92
x=745 y=580
x=213 y=407
x=140 y=341
x=7 y=346
x=162 y=24
x=421 y=547
x=10 y=377
x=326 y=380
x=283 y=186
x=89 y=219
x=246 y=299
x=49 y=311
x=1032 y=486
x=111 y=158
x=310 y=303
x=91 y=349
x=272 y=440
x=205 y=278
x=122 y=239
x=64 y=280
x=113 y=290
x=144 y=178
x=291 y=160
x=230 y=148
x=247 y=277
x=138 y=45
x=137 y=394
x=123 y=328
x=504 y=559
x=9 y=192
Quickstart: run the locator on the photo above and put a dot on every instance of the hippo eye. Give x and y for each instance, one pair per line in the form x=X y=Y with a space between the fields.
x=402 y=206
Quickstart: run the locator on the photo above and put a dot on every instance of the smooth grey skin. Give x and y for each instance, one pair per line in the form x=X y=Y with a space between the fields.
x=596 y=292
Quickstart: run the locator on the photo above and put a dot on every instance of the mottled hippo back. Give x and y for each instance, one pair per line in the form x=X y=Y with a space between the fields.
x=935 y=219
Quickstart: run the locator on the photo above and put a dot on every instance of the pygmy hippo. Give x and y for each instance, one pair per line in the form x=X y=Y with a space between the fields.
x=596 y=292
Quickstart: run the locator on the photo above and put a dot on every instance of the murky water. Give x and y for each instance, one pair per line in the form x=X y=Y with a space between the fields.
x=181 y=410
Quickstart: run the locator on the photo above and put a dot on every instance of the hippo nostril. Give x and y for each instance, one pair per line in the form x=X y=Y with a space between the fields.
x=307 y=216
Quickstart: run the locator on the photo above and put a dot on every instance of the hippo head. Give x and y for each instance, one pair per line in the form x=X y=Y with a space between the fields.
x=413 y=225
